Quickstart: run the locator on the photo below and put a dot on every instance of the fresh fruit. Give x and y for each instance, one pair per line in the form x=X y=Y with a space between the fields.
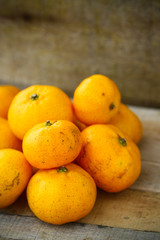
x=128 y=122
x=96 y=100
x=7 y=93
x=111 y=158
x=36 y=104
x=61 y=195
x=49 y=125
x=78 y=123
x=15 y=173
x=52 y=144
x=7 y=138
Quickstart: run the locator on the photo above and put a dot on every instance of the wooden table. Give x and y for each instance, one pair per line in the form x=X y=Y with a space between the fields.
x=133 y=214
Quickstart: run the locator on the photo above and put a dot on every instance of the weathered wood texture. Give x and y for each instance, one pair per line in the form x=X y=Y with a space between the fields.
x=62 y=42
x=130 y=209
x=30 y=228
x=137 y=208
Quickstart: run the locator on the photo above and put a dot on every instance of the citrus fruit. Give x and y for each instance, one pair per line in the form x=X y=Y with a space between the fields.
x=61 y=195
x=36 y=104
x=7 y=138
x=78 y=123
x=96 y=100
x=7 y=93
x=52 y=144
x=111 y=158
x=128 y=122
x=15 y=173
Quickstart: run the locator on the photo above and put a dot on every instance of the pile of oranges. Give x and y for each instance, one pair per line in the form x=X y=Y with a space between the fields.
x=61 y=151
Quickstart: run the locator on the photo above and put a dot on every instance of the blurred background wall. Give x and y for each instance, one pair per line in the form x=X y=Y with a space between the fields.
x=61 y=42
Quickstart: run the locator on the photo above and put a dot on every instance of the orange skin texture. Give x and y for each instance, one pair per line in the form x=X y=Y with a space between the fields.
x=128 y=122
x=61 y=197
x=52 y=103
x=7 y=93
x=93 y=98
x=52 y=146
x=7 y=138
x=79 y=124
x=15 y=173
x=114 y=167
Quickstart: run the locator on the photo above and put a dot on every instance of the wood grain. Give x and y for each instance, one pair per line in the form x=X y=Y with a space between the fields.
x=30 y=228
x=129 y=209
x=149 y=179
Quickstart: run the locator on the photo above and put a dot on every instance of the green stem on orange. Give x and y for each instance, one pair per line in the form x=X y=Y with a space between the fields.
x=112 y=106
x=34 y=96
x=122 y=141
x=48 y=123
x=62 y=169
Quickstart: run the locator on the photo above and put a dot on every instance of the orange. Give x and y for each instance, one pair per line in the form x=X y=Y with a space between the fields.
x=128 y=122
x=78 y=123
x=7 y=138
x=96 y=100
x=36 y=104
x=15 y=173
x=52 y=144
x=7 y=93
x=111 y=158
x=61 y=195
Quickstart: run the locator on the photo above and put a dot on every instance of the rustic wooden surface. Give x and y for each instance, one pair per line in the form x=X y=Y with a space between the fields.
x=62 y=42
x=131 y=214
x=29 y=228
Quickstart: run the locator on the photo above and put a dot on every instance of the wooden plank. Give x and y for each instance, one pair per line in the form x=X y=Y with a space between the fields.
x=149 y=179
x=30 y=228
x=150 y=144
x=20 y=207
x=129 y=209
